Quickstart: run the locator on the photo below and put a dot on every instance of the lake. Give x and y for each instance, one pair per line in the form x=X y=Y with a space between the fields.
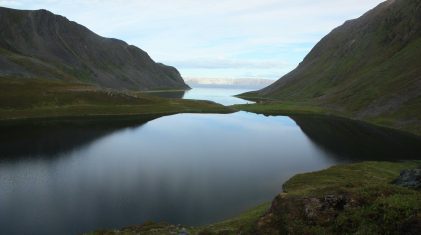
x=72 y=177
x=223 y=96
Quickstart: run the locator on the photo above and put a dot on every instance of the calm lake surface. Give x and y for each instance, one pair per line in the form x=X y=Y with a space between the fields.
x=223 y=96
x=68 y=178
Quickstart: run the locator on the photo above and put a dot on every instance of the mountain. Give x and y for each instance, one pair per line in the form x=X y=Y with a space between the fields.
x=40 y=44
x=227 y=82
x=368 y=68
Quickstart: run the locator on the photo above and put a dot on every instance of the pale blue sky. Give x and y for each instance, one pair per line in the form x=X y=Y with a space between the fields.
x=219 y=38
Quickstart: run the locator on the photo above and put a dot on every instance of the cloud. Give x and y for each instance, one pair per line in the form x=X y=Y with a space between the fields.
x=221 y=38
x=212 y=63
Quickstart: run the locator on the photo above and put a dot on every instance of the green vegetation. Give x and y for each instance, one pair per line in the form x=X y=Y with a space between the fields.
x=40 y=98
x=244 y=221
x=346 y=199
x=230 y=226
x=273 y=107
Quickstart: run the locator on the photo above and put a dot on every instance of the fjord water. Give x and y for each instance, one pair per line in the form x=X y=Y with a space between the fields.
x=223 y=96
x=68 y=178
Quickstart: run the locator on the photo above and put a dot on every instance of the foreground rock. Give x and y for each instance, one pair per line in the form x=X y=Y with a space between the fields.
x=350 y=199
x=410 y=178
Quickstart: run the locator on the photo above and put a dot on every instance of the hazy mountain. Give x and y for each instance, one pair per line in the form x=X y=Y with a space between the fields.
x=369 y=68
x=40 y=44
x=227 y=82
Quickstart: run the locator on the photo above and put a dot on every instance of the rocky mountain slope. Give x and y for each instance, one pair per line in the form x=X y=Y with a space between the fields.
x=40 y=44
x=368 y=68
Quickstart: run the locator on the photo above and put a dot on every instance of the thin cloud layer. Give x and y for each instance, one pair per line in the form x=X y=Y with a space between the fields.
x=225 y=38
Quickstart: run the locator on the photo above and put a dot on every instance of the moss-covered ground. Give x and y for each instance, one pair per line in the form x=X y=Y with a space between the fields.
x=39 y=98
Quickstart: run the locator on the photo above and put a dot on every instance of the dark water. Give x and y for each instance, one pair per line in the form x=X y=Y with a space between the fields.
x=73 y=177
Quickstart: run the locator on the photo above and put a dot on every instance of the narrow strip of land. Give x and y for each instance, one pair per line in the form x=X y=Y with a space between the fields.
x=278 y=107
x=40 y=98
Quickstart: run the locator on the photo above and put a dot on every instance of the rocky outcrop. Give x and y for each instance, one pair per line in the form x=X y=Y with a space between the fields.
x=40 y=44
x=348 y=199
x=410 y=178
x=315 y=211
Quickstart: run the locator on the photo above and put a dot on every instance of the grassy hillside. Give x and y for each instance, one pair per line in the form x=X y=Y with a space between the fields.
x=368 y=69
x=347 y=199
x=41 y=44
x=40 y=98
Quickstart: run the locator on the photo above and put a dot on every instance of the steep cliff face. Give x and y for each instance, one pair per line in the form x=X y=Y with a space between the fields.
x=43 y=45
x=368 y=67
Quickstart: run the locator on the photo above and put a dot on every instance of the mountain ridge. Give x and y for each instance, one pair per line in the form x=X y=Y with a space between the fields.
x=41 y=44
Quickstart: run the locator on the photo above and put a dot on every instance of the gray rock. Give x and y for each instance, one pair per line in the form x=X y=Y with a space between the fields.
x=410 y=178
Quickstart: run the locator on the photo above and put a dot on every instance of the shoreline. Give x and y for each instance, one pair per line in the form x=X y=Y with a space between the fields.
x=303 y=198
x=104 y=116
x=272 y=107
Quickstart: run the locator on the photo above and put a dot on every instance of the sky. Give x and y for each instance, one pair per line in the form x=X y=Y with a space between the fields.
x=212 y=38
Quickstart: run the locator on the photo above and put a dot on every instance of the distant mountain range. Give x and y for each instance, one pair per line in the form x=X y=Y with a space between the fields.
x=227 y=82
x=368 y=68
x=40 y=44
